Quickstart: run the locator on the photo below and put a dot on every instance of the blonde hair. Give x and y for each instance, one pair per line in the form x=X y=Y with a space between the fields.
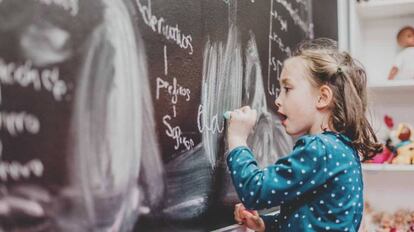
x=347 y=79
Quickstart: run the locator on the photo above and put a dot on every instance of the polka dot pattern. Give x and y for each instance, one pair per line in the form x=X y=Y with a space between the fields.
x=318 y=186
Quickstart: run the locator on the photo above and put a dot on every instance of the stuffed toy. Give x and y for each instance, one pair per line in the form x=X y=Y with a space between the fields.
x=399 y=147
x=384 y=157
x=405 y=155
x=401 y=220
x=411 y=222
x=403 y=67
x=387 y=154
x=405 y=148
x=386 y=223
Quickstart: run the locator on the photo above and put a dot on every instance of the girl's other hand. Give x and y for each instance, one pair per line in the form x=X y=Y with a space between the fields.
x=249 y=218
x=240 y=125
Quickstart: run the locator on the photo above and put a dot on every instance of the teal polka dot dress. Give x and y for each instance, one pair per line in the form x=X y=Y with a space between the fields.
x=318 y=186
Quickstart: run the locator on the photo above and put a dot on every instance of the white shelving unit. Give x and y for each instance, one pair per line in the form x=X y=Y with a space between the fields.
x=374 y=25
x=392 y=86
x=385 y=8
x=389 y=187
x=388 y=168
x=373 y=28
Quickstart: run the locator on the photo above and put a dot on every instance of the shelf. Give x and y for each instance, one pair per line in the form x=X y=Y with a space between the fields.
x=393 y=85
x=387 y=167
x=385 y=8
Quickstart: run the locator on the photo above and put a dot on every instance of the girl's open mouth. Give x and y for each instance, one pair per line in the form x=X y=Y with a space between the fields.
x=282 y=117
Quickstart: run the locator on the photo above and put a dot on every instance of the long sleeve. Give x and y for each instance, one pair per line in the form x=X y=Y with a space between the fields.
x=270 y=221
x=288 y=179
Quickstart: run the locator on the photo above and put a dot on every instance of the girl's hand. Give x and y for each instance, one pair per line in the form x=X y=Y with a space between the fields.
x=250 y=218
x=240 y=125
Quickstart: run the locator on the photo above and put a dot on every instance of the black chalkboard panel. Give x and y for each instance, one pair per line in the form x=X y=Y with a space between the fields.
x=111 y=110
x=325 y=19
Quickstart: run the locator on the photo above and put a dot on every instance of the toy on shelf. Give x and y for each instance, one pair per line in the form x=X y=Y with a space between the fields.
x=384 y=157
x=380 y=221
x=403 y=67
x=399 y=146
x=405 y=148
x=387 y=152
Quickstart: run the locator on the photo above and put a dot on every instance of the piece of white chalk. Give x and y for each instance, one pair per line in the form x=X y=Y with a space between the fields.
x=227 y=115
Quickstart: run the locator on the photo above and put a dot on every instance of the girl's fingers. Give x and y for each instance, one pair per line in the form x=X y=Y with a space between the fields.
x=241 y=206
x=237 y=216
x=247 y=214
x=235 y=114
x=253 y=217
x=245 y=109
x=243 y=112
x=255 y=212
x=252 y=220
x=237 y=210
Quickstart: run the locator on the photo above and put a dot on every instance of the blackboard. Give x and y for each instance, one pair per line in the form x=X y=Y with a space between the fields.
x=325 y=18
x=111 y=110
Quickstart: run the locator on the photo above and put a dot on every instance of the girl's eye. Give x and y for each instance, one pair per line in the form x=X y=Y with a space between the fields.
x=286 y=89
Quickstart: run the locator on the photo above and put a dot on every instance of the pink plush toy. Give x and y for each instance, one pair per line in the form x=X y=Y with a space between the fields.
x=384 y=157
x=387 y=153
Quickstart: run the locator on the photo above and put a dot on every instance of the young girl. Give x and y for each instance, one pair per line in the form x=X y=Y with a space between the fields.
x=319 y=185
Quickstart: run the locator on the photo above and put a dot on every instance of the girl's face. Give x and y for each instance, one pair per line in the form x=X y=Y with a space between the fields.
x=297 y=100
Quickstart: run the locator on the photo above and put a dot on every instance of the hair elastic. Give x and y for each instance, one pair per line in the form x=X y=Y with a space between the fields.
x=339 y=70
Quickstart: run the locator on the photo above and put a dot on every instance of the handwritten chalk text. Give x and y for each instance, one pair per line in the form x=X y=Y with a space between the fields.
x=25 y=76
x=276 y=66
x=295 y=16
x=177 y=134
x=18 y=123
x=283 y=23
x=204 y=124
x=159 y=25
x=12 y=170
x=174 y=90
x=284 y=48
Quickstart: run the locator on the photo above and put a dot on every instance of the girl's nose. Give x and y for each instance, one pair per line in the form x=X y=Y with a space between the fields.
x=277 y=102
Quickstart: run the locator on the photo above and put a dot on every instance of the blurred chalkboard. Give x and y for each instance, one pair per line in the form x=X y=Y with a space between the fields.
x=111 y=110
x=325 y=18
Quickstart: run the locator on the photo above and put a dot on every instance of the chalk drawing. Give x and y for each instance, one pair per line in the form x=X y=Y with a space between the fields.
x=109 y=145
x=69 y=5
x=221 y=87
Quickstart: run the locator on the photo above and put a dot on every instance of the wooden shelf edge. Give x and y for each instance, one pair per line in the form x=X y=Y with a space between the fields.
x=387 y=167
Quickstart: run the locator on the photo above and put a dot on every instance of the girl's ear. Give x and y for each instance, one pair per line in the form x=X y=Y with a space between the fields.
x=325 y=97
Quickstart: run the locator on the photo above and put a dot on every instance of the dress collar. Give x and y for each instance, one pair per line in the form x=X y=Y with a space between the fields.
x=339 y=135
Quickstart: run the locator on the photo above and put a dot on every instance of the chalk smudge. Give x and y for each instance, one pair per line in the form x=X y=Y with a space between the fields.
x=112 y=113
